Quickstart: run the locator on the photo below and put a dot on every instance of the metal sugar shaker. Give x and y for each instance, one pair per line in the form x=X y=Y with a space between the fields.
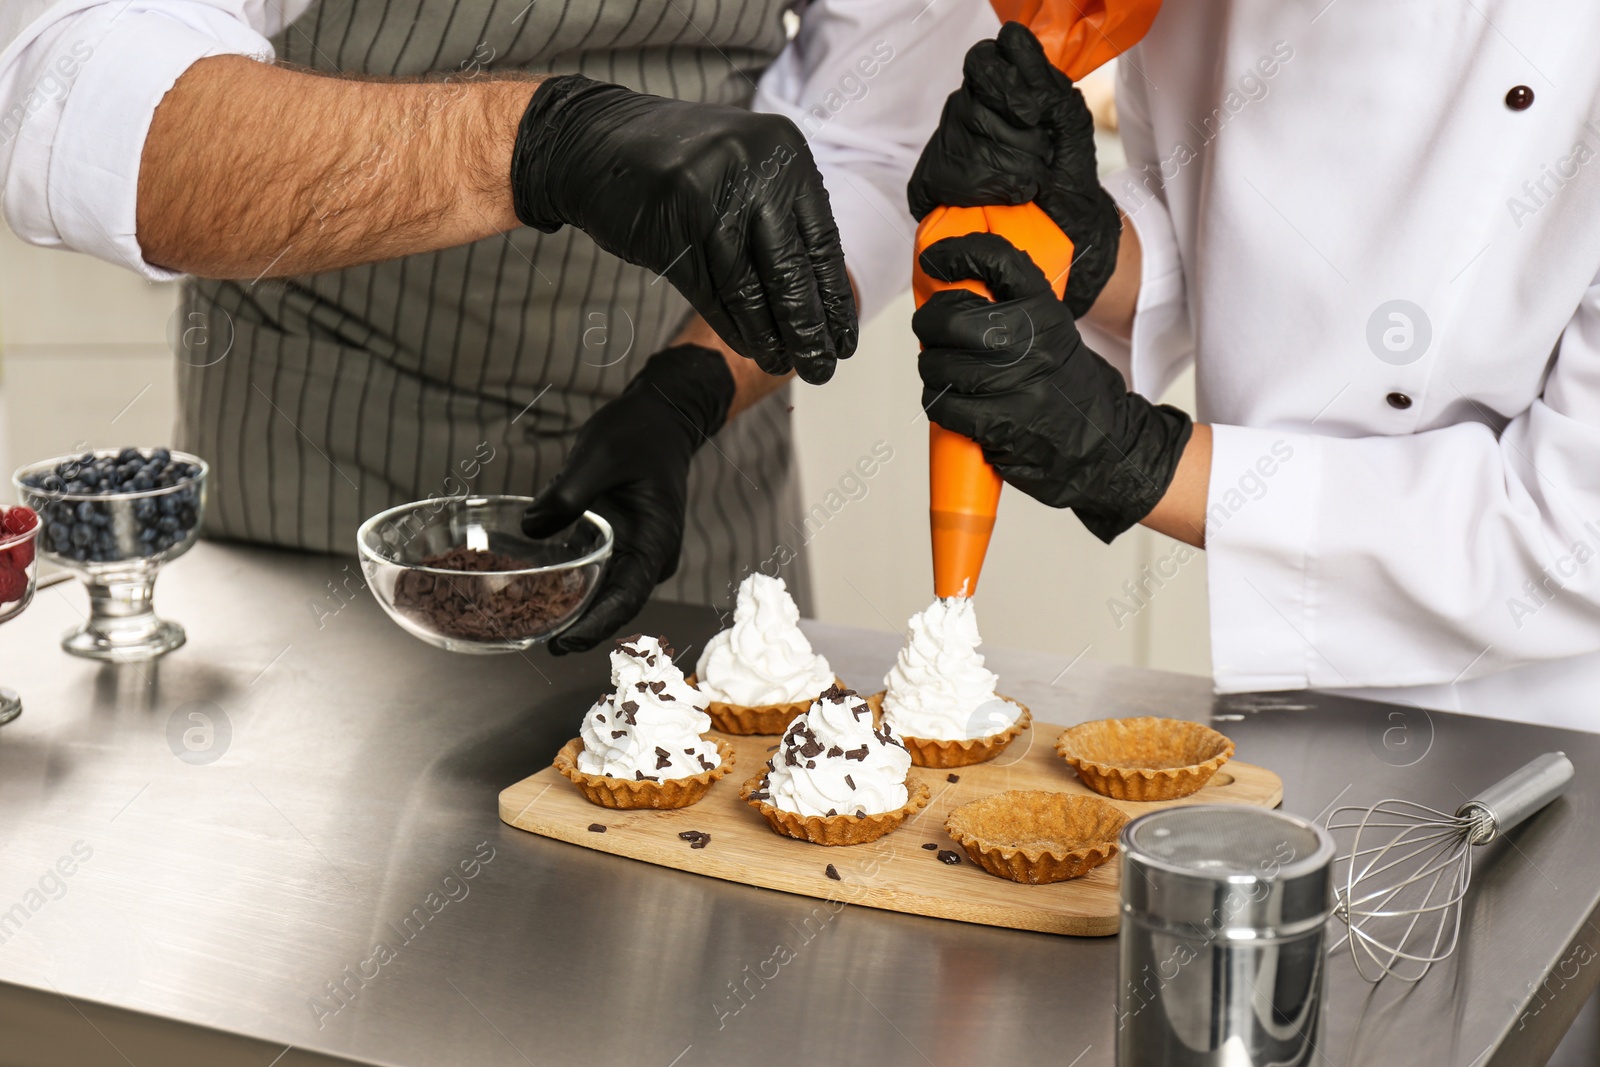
x=1222 y=949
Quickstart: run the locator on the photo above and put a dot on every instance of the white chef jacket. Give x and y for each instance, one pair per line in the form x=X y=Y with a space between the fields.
x=80 y=80
x=1405 y=498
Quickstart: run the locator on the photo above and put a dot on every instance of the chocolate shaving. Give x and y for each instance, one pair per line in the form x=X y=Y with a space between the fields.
x=618 y=733
x=663 y=758
x=835 y=752
x=641 y=687
x=478 y=605
x=832 y=812
x=640 y=776
x=628 y=710
x=773 y=748
x=857 y=753
x=705 y=764
x=858 y=709
x=597 y=828
x=835 y=694
x=861 y=813
x=849 y=781
x=811 y=764
x=832 y=872
x=946 y=856
x=599 y=716
x=657 y=687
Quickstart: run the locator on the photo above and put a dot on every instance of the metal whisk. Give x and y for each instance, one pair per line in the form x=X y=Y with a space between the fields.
x=1399 y=888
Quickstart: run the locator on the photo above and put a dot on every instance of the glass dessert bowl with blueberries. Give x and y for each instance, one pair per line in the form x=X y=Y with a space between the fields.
x=459 y=573
x=115 y=517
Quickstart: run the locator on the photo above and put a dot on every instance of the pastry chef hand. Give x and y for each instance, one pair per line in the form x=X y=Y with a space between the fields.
x=726 y=203
x=1019 y=130
x=1055 y=419
x=630 y=464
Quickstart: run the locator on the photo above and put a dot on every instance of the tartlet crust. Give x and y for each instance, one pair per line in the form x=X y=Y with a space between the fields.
x=624 y=793
x=836 y=829
x=1037 y=837
x=1144 y=758
x=958 y=752
x=758 y=718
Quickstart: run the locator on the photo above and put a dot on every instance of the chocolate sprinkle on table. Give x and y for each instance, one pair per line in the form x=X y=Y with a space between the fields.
x=952 y=778
x=696 y=838
x=946 y=856
x=597 y=828
x=482 y=604
x=832 y=872
x=931 y=847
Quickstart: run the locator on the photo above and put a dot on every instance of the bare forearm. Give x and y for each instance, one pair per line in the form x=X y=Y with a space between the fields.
x=256 y=170
x=750 y=382
x=1113 y=309
x=1182 y=510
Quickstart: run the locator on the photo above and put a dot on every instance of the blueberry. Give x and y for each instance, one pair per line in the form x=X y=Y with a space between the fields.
x=82 y=534
x=186 y=517
x=142 y=483
x=129 y=455
x=149 y=533
x=162 y=456
x=90 y=478
x=33 y=481
x=75 y=486
x=167 y=524
x=163 y=543
x=79 y=553
x=52 y=483
x=101 y=518
x=59 y=534
x=85 y=511
x=163 y=481
x=106 y=541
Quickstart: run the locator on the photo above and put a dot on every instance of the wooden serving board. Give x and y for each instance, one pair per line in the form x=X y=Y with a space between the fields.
x=895 y=872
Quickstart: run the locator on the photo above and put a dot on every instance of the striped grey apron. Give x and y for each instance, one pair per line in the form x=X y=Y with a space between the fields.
x=319 y=400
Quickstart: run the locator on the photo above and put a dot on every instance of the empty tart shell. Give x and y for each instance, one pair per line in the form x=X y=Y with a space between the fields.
x=960 y=752
x=1144 y=758
x=1037 y=837
x=611 y=792
x=836 y=829
x=758 y=718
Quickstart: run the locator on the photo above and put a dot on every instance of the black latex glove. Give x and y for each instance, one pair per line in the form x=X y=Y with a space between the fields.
x=1055 y=419
x=1018 y=130
x=725 y=203
x=630 y=464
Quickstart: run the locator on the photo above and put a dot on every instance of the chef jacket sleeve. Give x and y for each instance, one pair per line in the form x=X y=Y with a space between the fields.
x=1161 y=342
x=1427 y=558
x=79 y=83
x=865 y=81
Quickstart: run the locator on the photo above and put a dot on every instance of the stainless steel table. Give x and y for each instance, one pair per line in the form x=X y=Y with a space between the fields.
x=225 y=907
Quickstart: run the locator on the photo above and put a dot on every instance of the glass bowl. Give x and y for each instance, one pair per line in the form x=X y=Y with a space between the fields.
x=519 y=592
x=19 y=571
x=117 y=541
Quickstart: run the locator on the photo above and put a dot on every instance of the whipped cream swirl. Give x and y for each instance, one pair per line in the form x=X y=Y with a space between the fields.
x=833 y=761
x=763 y=658
x=649 y=728
x=938 y=688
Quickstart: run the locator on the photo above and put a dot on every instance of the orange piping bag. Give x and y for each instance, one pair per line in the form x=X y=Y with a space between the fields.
x=963 y=490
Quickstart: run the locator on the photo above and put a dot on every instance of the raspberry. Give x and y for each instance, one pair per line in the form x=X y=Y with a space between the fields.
x=19 y=556
x=19 y=520
x=13 y=585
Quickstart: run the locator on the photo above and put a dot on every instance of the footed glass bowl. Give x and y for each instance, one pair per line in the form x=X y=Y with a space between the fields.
x=459 y=573
x=18 y=572
x=116 y=531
